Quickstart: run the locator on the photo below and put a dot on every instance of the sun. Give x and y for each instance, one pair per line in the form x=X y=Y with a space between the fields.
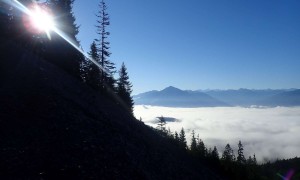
x=41 y=20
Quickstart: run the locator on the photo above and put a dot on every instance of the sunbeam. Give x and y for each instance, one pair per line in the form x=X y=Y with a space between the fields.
x=71 y=42
x=18 y=5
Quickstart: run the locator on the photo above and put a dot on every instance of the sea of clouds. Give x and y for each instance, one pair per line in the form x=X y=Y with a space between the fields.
x=270 y=133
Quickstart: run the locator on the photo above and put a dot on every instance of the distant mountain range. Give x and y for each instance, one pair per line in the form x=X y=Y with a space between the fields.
x=174 y=97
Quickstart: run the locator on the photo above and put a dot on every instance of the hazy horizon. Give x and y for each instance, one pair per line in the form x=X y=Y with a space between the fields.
x=217 y=89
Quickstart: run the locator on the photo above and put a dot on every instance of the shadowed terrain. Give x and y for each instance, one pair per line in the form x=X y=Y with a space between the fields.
x=54 y=126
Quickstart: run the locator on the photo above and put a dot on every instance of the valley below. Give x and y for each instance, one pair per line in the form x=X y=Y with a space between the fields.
x=270 y=133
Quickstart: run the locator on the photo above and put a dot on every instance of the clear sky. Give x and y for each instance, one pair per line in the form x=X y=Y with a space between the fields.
x=201 y=44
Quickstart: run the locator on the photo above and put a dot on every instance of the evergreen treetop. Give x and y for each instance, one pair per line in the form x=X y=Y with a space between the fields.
x=228 y=154
x=92 y=71
x=161 y=124
x=182 y=139
x=124 y=88
x=201 y=149
x=241 y=158
x=193 y=143
x=215 y=153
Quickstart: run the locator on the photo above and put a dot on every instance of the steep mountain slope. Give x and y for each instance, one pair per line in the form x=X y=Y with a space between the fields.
x=174 y=97
x=54 y=127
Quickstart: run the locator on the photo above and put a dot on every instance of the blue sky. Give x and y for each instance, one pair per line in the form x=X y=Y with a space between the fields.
x=200 y=44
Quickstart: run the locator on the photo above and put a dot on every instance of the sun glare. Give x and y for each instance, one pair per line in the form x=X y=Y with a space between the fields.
x=41 y=20
x=38 y=20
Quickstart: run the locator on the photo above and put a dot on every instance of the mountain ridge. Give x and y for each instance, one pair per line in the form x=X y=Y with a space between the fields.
x=239 y=97
x=175 y=97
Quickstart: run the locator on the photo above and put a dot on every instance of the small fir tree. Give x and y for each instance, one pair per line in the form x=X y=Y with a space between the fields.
x=215 y=153
x=161 y=125
x=92 y=76
x=169 y=133
x=124 y=89
x=201 y=149
x=176 y=137
x=193 y=143
x=228 y=154
x=182 y=139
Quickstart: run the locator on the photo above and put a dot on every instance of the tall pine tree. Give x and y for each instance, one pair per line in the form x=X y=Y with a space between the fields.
x=124 y=89
x=241 y=158
x=107 y=79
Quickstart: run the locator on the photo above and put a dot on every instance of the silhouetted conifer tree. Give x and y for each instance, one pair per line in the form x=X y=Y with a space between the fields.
x=252 y=161
x=228 y=154
x=176 y=137
x=213 y=157
x=169 y=133
x=193 y=143
x=92 y=71
x=201 y=149
x=182 y=139
x=124 y=89
x=241 y=158
x=161 y=125
x=107 y=78
x=249 y=160
x=215 y=153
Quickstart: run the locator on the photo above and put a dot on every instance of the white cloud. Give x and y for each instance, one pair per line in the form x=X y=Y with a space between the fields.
x=270 y=133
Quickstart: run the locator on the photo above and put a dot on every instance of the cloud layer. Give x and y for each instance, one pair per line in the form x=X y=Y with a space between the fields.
x=270 y=133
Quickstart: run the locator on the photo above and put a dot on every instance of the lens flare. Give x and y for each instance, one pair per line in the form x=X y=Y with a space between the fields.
x=49 y=26
x=288 y=176
x=41 y=20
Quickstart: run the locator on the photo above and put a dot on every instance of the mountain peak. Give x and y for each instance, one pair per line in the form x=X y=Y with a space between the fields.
x=171 y=88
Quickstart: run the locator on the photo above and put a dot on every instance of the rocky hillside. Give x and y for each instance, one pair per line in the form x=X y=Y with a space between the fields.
x=52 y=126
